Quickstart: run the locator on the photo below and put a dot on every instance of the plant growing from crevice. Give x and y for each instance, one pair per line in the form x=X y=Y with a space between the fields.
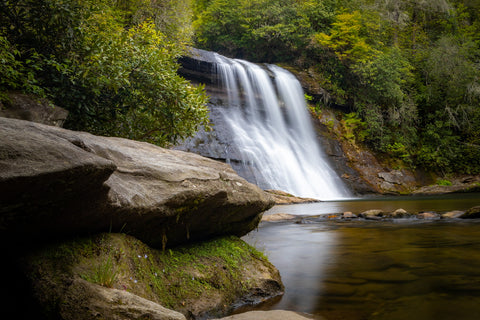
x=104 y=273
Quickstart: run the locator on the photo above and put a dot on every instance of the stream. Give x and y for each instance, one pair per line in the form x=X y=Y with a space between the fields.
x=376 y=270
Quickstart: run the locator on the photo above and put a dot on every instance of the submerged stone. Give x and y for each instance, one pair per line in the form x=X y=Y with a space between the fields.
x=385 y=276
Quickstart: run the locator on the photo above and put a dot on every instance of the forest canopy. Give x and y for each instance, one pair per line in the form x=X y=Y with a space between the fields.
x=408 y=70
x=111 y=64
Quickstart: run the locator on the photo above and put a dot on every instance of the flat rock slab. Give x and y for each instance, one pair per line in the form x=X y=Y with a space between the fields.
x=270 y=315
x=56 y=182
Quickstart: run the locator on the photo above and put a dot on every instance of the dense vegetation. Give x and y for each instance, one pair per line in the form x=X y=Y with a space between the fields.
x=408 y=70
x=110 y=63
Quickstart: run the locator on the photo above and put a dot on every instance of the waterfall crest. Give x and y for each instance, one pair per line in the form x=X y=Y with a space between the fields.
x=272 y=130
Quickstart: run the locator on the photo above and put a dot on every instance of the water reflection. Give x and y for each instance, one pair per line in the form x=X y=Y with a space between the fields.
x=361 y=270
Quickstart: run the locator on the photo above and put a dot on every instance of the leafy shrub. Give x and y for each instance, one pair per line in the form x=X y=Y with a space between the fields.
x=355 y=129
x=444 y=182
x=113 y=70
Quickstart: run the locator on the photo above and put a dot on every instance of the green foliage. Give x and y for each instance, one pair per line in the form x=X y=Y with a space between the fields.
x=17 y=74
x=355 y=129
x=176 y=275
x=349 y=38
x=407 y=69
x=112 y=64
x=104 y=273
x=386 y=76
x=443 y=182
x=260 y=30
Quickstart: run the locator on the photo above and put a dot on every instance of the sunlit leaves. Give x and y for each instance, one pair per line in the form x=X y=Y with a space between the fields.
x=350 y=38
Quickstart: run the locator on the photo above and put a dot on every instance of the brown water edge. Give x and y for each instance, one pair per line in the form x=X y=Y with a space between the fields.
x=379 y=270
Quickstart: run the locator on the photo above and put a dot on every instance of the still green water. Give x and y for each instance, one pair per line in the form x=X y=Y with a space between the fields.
x=379 y=270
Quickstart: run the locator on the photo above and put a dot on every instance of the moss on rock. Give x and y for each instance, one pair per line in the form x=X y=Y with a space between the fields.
x=198 y=280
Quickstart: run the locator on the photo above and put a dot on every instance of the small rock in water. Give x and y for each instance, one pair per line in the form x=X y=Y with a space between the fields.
x=400 y=213
x=349 y=215
x=453 y=214
x=304 y=221
x=428 y=215
x=371 y=213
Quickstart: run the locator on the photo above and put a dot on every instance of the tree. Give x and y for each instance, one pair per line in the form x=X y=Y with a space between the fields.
x=113 y=71
x=260 y=30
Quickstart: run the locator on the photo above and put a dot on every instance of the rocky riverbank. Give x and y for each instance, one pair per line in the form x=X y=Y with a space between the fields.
x=375 y=215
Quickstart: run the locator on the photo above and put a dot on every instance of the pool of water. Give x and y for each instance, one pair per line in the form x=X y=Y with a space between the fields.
x=378 y=270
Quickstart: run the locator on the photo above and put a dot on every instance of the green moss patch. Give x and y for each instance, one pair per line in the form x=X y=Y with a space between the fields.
x=196 y=279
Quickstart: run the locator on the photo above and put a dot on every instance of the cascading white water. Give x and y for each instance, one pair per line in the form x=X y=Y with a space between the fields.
x=273 y=131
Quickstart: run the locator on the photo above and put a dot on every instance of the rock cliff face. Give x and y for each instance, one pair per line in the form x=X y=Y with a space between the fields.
x=55 y=182
x=199 y=66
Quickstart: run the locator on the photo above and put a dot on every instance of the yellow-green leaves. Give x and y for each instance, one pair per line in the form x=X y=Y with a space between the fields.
x=350 y=38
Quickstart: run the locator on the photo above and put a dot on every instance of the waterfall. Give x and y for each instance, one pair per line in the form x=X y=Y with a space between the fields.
x=272 y=130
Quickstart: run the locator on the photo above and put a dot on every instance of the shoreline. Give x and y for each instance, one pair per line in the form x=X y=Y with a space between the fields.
x=377 y=215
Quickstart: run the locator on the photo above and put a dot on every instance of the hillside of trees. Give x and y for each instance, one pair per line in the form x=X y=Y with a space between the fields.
x=407 y=70
x=111 y=64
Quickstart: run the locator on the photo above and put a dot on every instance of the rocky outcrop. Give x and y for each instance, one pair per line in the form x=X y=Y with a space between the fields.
x=282 y=197
x=361 y=169
x=55 y=182
x=455 y=185
x=28 y=107
x=197 y=65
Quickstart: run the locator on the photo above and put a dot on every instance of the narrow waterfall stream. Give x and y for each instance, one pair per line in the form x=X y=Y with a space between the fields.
x=272 y=130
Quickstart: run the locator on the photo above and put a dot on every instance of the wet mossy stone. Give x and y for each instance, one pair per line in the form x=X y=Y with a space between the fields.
x=116 y=276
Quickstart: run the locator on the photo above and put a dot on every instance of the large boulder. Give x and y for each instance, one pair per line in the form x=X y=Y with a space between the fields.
x=48 y=186
x=56 y=182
